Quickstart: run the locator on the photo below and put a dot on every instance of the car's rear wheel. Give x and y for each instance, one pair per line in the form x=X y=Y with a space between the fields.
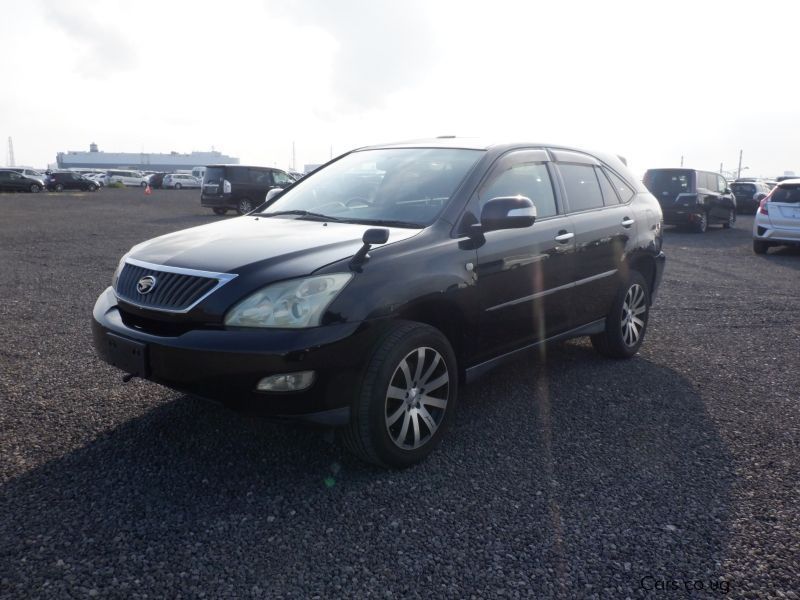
x=700 y=224
x=405 y=398
x=178 y=186
x=244 y=206
x=35 y=189
x=220 y=211
x=627 y=322
x=59 y=187
x=760 y=247
x=143 y=184
x=731 y=220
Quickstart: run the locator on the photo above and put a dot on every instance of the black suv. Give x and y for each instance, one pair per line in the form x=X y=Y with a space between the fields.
x=693 y=198
x=365 y=294
x=67 y=180
x=239 y=187
x=749 y=194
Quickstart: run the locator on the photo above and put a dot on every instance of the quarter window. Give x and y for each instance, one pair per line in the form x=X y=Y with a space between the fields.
x=623 y=190
x=609 y=195
x=582 y=187
x=524 y=179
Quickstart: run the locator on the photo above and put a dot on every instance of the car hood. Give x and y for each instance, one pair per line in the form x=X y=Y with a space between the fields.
x=298 y=246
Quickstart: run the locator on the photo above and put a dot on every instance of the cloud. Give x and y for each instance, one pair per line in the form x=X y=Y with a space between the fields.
x=106 y=51
x=383 y=46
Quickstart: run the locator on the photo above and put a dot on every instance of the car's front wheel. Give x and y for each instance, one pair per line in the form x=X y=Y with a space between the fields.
x=627 y=322
x=405 y=398
x=35 y=189
x=244 y=206
x=178 y=186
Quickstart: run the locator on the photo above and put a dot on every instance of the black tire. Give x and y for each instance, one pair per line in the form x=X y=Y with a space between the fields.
x=35 y=188
x=94 y=188
x=701 y=224
x=379 y=397
x=143 y=184
x=59 y=187
x=220 y=211
x=244 y=206
x=731 y=220
x=760 y=247
x=623 y=337
x=178 y=186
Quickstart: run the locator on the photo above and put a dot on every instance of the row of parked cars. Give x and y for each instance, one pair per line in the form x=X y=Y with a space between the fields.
x=697 y=199
x=30 y=180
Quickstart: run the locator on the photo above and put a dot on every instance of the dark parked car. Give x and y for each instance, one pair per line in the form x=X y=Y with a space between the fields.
x=156 y=179
x=239 y=187
x=366 y=307
x=749 y=194
x=11 y=181
x=693 y=198
x=67 y=180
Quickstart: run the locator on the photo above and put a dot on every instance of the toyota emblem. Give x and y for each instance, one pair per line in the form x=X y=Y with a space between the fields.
x=146 y=284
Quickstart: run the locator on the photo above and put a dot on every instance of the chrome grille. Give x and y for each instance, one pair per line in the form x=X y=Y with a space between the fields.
x=175 y=290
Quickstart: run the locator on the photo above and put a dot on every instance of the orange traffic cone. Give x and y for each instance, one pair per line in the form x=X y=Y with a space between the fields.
x=147 y=190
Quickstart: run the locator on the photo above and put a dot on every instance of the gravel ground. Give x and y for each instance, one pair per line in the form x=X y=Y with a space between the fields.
x=566 y=476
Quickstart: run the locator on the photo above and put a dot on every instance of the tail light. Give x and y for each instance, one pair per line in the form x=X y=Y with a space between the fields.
x=226 y=186
x=762 y=206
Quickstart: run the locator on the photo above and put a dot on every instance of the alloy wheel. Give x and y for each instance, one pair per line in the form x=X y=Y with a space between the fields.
x=633 y=308
x=416 y=400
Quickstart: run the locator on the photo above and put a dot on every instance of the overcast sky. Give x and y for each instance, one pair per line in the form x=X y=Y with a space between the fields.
x=652 y=81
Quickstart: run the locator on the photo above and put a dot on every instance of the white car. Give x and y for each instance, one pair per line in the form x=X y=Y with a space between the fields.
x=777 y=221
x=179 y=180
x=100 y=178
x=126 y=177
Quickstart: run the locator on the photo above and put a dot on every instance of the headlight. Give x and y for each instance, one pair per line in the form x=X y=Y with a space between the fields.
x=115 y=278
x=289 y=304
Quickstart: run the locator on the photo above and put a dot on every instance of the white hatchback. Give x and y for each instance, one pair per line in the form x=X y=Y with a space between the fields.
x=777 y=221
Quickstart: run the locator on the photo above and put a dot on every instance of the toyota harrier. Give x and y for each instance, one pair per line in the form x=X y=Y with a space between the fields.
x=365 y=294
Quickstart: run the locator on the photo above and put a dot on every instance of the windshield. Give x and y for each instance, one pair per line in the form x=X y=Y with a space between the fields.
x=404 y=186
x=671 y=180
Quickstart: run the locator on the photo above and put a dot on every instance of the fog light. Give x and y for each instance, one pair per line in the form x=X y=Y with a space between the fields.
x=287 y=382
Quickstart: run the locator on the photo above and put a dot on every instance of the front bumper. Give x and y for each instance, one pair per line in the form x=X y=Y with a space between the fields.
x=226 y=364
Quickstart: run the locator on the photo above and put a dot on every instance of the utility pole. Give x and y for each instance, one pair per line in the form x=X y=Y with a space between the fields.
x=720 y=168
x=681 y=159
x=739 y=170
x=10 y=152
x=294 y=168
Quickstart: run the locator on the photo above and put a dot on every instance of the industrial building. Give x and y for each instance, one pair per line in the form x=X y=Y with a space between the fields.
x=143 y=161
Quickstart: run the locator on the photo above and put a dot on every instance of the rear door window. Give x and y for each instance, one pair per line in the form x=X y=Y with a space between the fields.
x=260 y=177
x=582 y=187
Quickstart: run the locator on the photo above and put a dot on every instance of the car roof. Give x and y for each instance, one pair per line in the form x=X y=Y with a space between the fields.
x=243 y=167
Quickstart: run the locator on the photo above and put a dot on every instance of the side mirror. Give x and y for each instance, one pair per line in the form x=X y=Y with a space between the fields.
x=727 y=190
x=507 y=212
x=371 y=236
x=272 y=193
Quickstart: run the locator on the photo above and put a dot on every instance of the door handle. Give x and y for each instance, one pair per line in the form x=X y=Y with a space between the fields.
x=563 y=238
x=627 y=222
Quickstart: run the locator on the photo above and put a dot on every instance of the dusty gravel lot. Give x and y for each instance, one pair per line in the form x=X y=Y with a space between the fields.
x=568 y=476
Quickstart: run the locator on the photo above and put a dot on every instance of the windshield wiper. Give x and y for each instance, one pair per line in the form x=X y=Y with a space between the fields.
x=387 y=223
x=300 y=213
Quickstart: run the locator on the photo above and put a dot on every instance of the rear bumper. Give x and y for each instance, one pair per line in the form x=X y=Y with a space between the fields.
x=682 y=215
x=764 y=230
x=225 y=365
x=224 y=201
x=660 y=262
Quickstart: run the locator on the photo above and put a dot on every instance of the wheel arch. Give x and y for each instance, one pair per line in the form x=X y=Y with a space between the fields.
x=444 y=316
x=645 y=264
